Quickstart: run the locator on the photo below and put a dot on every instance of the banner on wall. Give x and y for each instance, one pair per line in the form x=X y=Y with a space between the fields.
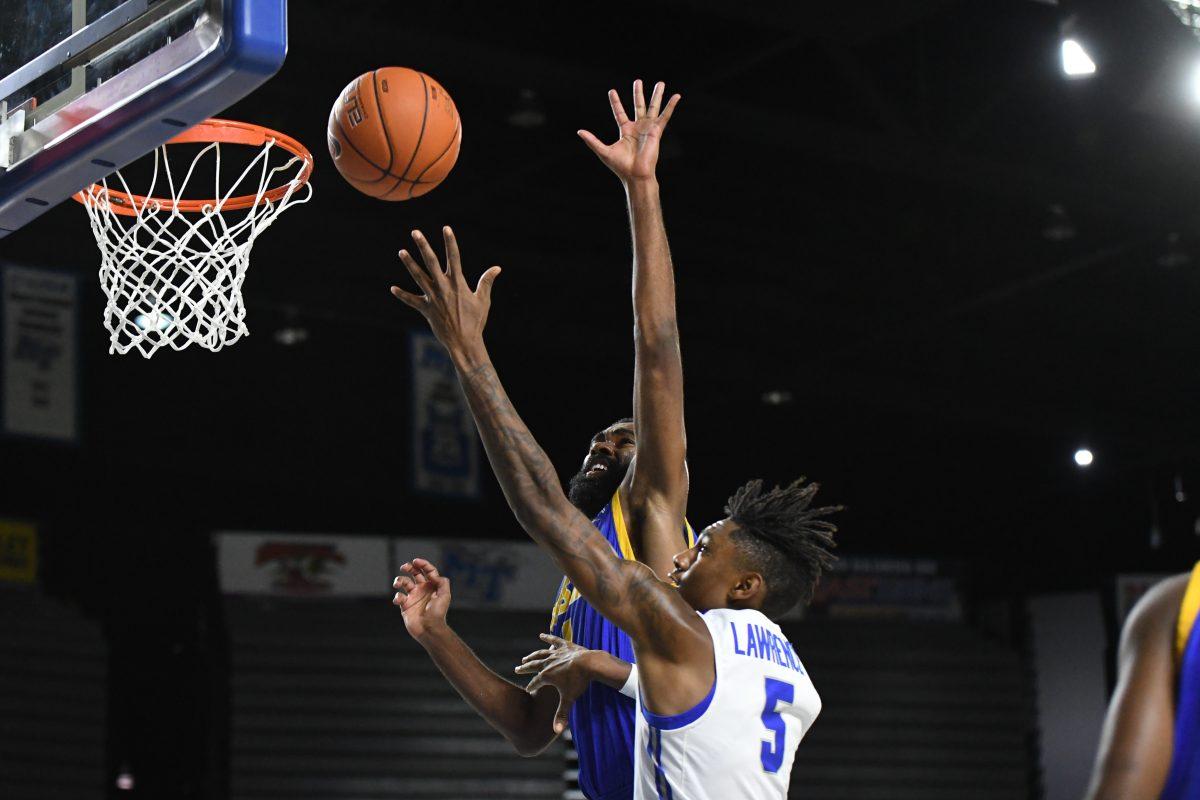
x=39 y=372
x=18 y=552
x=303 y=565
x=515 y=576
x=445 y=449
x=881 y=588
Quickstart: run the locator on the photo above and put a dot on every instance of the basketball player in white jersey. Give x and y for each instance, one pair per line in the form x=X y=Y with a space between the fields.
x=724 y=701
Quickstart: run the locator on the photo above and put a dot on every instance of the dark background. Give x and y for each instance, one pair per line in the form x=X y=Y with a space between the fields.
x=858 y=197
x=857 y=203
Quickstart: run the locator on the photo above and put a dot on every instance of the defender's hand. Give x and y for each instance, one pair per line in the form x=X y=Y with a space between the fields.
x=456 y=314
x=423 y=597
x=563 y=665
x=634 y=155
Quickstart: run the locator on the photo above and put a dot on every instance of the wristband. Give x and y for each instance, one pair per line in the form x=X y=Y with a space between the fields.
x=630 y=687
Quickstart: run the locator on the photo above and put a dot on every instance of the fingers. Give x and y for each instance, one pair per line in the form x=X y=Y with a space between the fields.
x=530 y=667
x=404 y=584
x=536 y=654
x=535 y=660
x=453 y=260
x=656 y=99
x=535 y=685
x=484 y=287
x=639 y=100
x=411 y=572
x=416 y=301
x=430 y=259
x=669 y=110
x=426 y=568
x=618 y=110
x=418 y=274
x=561 y=716
x=553 y=640
x=595 y=145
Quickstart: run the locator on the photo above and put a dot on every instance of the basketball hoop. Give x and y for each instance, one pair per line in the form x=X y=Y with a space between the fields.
x=172 y=268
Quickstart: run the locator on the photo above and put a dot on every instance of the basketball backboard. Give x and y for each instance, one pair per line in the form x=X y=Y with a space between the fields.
x=90 y=85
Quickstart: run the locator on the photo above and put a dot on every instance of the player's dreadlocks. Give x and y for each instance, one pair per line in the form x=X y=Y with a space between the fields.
x=784 y=538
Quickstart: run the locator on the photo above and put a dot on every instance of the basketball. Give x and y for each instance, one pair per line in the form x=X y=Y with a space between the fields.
x=394 y=133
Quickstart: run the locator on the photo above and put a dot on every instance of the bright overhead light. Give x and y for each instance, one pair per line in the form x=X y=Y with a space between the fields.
x=1084 y=457
x=1075 y=60
x=1195 y=84
x=159 y=320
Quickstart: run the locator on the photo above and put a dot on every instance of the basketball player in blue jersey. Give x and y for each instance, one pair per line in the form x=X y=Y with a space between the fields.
x=723 y=698
x=1150 y=747
x=632 y=467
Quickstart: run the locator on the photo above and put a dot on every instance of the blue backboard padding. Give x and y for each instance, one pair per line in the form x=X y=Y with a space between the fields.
x=254 y=45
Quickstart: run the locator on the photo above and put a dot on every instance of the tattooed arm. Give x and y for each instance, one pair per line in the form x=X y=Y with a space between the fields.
x=665 y=629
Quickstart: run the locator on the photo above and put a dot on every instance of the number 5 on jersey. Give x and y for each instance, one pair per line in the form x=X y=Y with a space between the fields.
x=773 y=752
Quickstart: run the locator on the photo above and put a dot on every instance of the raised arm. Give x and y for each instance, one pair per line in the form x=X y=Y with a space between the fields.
x=1138 y=736
x=657 y=479
x=626 y=592
x=525 y=719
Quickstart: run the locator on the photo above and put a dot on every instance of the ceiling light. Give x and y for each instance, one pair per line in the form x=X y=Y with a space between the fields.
x=291 y=335
x=1076 y=62
x=160 y=320
x=777 y=397
x=1084 y=457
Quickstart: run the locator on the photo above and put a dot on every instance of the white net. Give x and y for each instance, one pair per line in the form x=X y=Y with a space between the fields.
x=173 y=277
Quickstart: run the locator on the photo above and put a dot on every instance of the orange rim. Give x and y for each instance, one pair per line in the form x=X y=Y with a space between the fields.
x=225 y=131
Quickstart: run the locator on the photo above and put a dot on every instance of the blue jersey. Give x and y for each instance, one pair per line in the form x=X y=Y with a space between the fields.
x=1183 y=782
x=602 y=718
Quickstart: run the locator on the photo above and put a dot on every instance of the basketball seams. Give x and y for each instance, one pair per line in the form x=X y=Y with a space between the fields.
x=424 y=120
x=387 y=136
x=454 y=139
x=344 y=138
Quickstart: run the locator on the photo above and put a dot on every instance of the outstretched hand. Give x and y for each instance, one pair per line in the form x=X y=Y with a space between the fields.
x=423 y=596
x=634 y=155
x=456 y=314
x=563 y=666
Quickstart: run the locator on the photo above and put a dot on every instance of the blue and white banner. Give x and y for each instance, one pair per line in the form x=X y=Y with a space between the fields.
x=40 y=376
x=515 y=576
x=445 y=447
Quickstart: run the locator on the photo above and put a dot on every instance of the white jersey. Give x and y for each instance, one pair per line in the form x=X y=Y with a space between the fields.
x=739 y=742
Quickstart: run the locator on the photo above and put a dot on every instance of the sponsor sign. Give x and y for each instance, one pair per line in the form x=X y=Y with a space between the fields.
x=918 y=589
x=303 y=565
x=18 y=552
x=39 y=371
x=510 y=575
x=516 y=576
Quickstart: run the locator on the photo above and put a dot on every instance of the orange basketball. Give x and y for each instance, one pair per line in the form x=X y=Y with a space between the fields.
x=394 y=133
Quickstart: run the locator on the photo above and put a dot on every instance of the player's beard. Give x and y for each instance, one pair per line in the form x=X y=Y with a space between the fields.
x=590 y=495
